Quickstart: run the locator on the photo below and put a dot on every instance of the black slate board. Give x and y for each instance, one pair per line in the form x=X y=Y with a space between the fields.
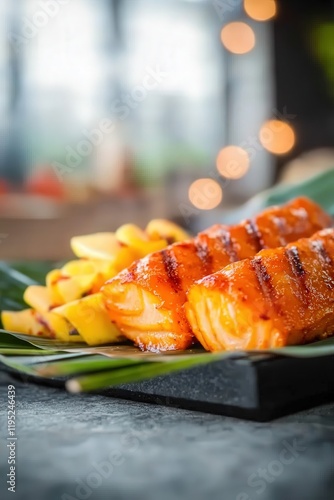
x=261 y=389
x=256 y=390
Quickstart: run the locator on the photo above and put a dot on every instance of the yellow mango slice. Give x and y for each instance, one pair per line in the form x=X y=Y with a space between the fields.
x=162 y=228
x=60 y=328
x=103 y=246
x=132 y=236
x=24 y=322
x=47 y=325
x=52 y=279
x=91 y=320
x=89 y=266
x=124 y=258
x=103 y=269
x=70 y=289
x=39 y=298
x=96 y=246
x=78 y=267
x=63 y=289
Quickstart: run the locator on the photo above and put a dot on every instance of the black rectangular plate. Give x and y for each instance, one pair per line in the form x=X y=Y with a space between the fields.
x=261 y=389
x=256 y=390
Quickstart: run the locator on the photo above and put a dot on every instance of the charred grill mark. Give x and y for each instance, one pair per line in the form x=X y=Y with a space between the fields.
x=170 y=264
x=225 y=238
x=292 y=255
x=319 y=249
x=295 y=262
x=203 y=252
x=262 y=274
x=255 y=234
x=264 y=280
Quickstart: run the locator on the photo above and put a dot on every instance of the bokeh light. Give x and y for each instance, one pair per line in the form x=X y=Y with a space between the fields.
x=232 y=162
x=277 y=136
x=238 y=37
x=260 y=10
x=205 y=194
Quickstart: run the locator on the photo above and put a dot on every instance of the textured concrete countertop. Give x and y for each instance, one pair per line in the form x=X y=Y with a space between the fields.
x=95 y=447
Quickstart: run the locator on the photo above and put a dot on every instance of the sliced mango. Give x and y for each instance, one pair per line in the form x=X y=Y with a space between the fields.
x=89 y=266
x=78 y=267
x=103 y=246
x=90 y=318
x=60 y=328
x=132 y=236
x=96 y=246
x=39 y=298
x=124 y=258
x=63 y=289
x=52 y=279
x=70 y=289
x=25 y=322
x=162 y=228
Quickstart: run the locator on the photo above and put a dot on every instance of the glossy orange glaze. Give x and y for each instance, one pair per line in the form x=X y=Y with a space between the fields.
x=146 y=300
x=283 y=296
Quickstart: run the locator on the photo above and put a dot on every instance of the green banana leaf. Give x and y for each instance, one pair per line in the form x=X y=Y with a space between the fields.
x=88 y=368
x=319 y=188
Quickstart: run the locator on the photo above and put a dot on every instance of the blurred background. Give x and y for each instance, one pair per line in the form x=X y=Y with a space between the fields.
x=127 y=110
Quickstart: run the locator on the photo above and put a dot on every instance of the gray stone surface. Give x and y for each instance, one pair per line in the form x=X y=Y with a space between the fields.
x=149 y=452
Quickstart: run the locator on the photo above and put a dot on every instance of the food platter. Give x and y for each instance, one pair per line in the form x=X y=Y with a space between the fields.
x=256 y=384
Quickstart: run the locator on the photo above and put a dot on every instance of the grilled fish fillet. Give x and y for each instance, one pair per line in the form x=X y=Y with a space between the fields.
x=283 y=296
x=146 y=300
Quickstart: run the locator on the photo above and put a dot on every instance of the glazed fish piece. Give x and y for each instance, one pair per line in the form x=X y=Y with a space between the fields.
x=146 y=300
x=283 y=296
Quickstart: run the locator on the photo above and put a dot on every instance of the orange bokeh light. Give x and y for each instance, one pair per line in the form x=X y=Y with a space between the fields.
x=205 y=194
x=238 y=37
x=277 y=136
x=260 y=10
x=232 y=162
